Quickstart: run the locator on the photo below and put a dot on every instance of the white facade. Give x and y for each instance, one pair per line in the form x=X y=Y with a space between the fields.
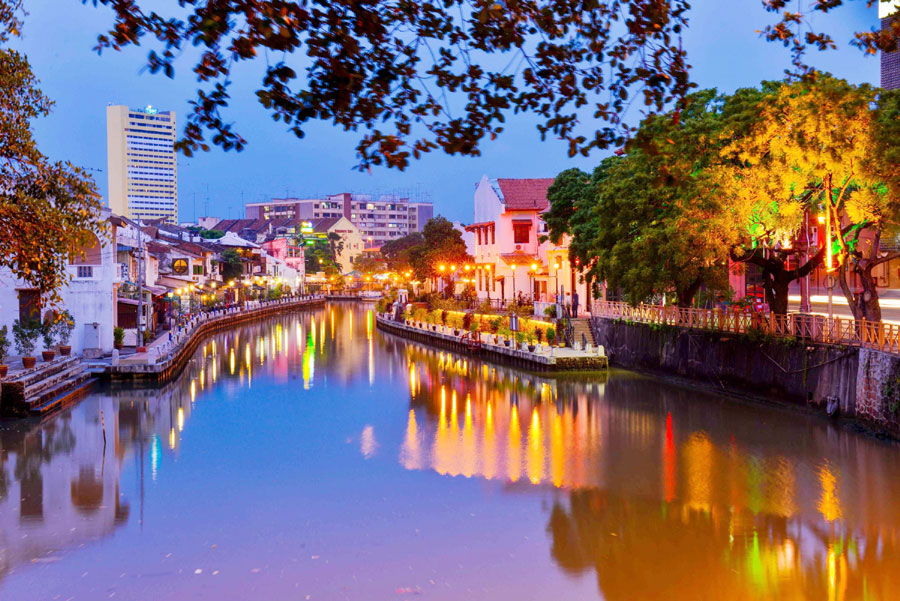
x=142 y=164
x=89 y=298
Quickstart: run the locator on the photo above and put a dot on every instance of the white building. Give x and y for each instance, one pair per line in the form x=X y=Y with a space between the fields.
x=89 y=296
x=141 y=163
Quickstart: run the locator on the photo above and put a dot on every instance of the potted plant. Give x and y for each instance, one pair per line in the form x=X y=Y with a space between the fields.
x=26 y=334
x=65 y=324
x=505 y=332
x=4 y=351
x=118 y=337
x=551 y=336
x=48 y=335
x=539 y=335
x=520 y=340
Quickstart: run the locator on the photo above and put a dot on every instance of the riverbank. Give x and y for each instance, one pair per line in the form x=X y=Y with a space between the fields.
x=859 y=384
x=541 y=359
x=167 y=361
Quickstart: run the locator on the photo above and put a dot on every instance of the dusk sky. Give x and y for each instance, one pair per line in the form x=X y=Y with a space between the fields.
x=724 y=49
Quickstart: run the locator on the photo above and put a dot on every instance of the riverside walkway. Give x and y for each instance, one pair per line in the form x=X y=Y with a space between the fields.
x=166 y=356
x=489 y=346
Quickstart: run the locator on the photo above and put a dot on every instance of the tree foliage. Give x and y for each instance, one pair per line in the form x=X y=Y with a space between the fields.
x=441 y=244
x=418 y=75
x=232 y=266
x=49 y=211
x=396 y=252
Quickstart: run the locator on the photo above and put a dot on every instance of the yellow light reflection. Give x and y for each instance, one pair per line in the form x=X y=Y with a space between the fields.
x=180 y=419
x=535 y=449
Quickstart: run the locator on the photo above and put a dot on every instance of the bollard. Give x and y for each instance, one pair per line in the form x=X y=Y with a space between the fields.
x=115 y=356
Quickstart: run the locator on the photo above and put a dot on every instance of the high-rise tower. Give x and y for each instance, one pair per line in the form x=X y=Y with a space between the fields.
x=141 y=161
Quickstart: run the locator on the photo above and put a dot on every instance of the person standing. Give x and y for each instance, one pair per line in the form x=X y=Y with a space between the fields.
x=575 y=304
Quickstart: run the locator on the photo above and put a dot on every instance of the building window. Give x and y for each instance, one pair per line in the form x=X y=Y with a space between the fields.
x=478 y=231
x=493 y=235
x=521 y=233
x=198 y=269
x=85 y=271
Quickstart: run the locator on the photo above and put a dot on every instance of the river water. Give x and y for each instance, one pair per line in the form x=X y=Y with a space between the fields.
x=313 y=457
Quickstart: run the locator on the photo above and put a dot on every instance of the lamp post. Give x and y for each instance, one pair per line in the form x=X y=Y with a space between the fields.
x=533 y=276
x=829 y=279
x=513 y=267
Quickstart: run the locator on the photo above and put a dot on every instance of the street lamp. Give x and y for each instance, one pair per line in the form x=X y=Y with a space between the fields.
x=513 y=267
x=533 y=274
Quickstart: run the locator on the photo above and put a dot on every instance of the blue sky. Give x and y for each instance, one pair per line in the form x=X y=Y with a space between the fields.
x=724 y=49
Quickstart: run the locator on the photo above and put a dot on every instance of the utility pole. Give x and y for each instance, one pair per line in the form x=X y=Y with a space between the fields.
x=140 y=286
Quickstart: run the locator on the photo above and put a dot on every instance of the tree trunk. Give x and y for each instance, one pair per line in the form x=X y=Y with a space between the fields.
x=780 y=292
x=686 y=296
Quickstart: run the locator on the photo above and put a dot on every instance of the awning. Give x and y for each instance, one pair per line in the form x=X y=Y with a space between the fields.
x=522 y=220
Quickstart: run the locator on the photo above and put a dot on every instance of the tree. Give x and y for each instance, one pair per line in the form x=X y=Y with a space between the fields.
x=232 y=267
x=426 y=67
x=765 y=195
x=643 y=222
x=441 y=244
x=396 y=252
x=49 y=210
x=335 y=245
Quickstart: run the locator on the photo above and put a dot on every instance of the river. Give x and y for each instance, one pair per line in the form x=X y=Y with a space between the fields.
x=310 y=456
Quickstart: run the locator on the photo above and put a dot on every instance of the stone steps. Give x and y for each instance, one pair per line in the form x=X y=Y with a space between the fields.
x=42 y=388
x=59 y=395
x=582 y=327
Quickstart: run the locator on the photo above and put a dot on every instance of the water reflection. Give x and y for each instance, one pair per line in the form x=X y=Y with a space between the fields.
x=656 y=492
x=665 y=493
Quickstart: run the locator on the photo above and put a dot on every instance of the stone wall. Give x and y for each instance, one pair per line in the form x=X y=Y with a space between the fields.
x=866 y=383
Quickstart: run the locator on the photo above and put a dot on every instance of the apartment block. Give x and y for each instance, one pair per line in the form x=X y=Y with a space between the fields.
x=378 y=218
x=141 y=163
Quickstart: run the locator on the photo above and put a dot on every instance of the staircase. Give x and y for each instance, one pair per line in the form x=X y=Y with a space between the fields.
x=583 y=333
x=44 y=388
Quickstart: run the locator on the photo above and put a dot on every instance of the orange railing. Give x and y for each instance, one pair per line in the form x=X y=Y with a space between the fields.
x=802 y=326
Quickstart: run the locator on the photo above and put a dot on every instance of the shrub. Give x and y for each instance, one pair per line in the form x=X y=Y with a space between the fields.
x=444 y=315
x=496 y=323
x=550 y=311
x=48 y=332
x=467 y=321
x=539 y=334
x=551 y=336
x=118 y=335
x=65 y=324
x=26 y=334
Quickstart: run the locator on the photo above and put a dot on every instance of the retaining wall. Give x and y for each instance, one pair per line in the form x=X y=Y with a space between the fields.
x=866 y=383
x=175 y=362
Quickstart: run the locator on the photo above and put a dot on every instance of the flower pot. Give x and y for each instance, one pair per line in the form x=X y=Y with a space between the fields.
x=28 y=362
x=48 y=355
x=118 y=346
x=4 y=369
x=65 y=350
x=141 y=349
x=506 y=342
x=530 y=348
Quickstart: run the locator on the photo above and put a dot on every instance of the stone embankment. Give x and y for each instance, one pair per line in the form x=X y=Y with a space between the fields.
x=165 y=361
x=856 y=383
x=543 y=359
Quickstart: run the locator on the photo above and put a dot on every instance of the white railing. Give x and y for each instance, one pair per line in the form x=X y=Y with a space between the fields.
x=802 y=326
x=181 y=335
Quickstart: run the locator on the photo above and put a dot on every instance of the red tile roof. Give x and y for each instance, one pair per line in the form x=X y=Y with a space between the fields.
x=524 y=194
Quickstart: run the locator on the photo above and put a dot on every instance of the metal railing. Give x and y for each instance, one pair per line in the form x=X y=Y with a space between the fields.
x=803 y=326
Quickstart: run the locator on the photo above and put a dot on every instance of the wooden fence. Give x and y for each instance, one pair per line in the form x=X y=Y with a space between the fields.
x=802 y=326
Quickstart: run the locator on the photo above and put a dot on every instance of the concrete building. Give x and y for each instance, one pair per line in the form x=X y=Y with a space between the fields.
x=511 y=262
x=89 y=296
x=379 y=220
x=142 y=166
x=890 y=61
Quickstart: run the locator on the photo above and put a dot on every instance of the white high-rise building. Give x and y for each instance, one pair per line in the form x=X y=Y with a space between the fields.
x=141 y=161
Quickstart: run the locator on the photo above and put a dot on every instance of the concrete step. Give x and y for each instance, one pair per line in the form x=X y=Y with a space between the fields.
x=60 y=394
x=43 y=370
x=50 y=381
